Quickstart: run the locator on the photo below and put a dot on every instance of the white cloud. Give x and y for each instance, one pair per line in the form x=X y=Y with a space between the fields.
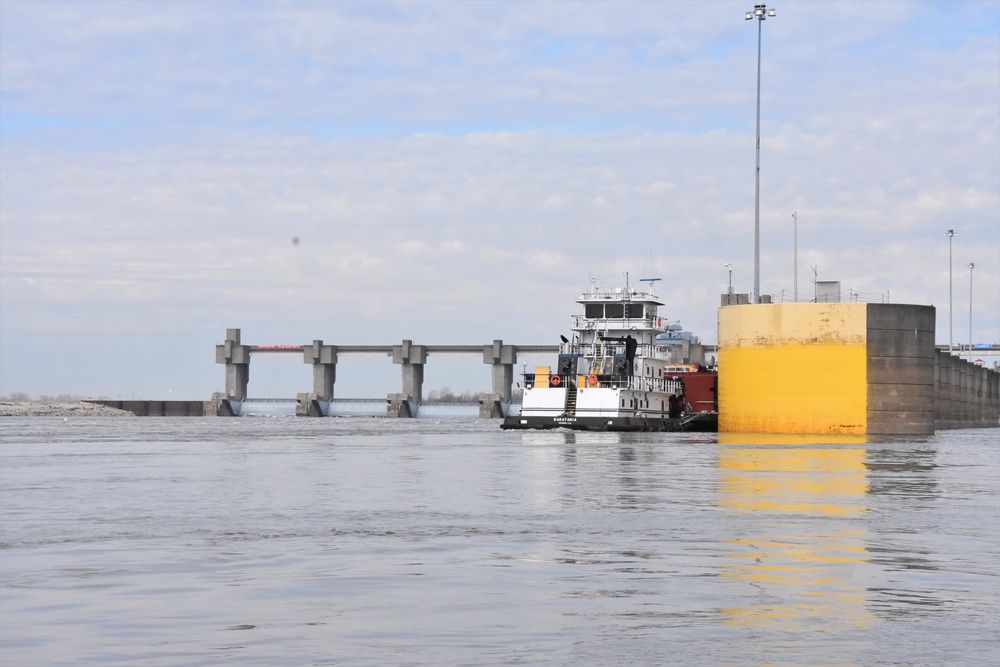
x=453 y=172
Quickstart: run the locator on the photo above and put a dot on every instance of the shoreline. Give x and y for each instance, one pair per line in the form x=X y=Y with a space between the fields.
x=58 y=409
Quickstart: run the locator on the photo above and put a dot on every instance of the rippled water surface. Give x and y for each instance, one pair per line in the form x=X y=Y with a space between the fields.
x=283 y=541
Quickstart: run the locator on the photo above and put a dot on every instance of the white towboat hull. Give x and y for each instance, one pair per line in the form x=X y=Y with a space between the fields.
x=580 y=423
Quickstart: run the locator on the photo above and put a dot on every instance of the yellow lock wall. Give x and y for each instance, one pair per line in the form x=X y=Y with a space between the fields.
x=793 y=368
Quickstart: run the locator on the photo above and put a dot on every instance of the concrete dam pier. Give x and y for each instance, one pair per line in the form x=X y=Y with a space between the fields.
x=411 y=358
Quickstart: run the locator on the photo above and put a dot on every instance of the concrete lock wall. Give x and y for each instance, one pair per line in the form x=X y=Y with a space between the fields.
x=900 y=369
x=965 y=395
x=845 y=368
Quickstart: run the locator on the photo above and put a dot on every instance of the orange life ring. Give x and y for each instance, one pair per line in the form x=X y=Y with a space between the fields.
x=591 y=380
x=554 y=380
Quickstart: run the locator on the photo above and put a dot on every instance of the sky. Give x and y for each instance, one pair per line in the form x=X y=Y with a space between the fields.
x=457 y=172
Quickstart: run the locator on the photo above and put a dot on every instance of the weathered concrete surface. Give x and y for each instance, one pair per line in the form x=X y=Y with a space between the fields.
x=900 y=317
x=307 y=405
x=412 y=358
x=324 y=362
x=900 y=344
x=40 y=409
x=153 y=408
x=792 y=368
x=399 y=405
x=966 y=395
x=236 y=357
x=490 y=406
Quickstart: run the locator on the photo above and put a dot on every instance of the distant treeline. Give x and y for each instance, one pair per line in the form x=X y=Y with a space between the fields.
x=446 y=395
x=20 y=396
x=442 y=395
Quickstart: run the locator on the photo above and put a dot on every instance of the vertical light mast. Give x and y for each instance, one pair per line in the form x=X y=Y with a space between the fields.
x=970 y=266
x=795 y=257
x=951 y=233
x=760 y=12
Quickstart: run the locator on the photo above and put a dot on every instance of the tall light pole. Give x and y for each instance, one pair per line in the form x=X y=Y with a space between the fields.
x=951 y=233
x=760 y=12
x=970 y=266
x=795 y=257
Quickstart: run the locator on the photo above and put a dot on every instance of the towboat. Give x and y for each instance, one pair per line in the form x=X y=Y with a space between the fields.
x=614 y=375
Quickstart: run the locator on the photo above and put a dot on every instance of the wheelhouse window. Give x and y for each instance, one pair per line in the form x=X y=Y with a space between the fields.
x=613 y=311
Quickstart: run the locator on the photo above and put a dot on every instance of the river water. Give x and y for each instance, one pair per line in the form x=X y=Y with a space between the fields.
x=284 y=541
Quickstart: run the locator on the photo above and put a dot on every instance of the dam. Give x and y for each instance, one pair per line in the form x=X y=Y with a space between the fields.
x=794 y=368
x=407 y=402
x=806 y=368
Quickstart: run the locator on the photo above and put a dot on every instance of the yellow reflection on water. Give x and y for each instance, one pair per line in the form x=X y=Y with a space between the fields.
x=790 y=439
x=800 y=547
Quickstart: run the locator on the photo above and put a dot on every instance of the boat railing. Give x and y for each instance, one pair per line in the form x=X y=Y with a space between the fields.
x=611 y=348
x=583 y=323
x=668 y=385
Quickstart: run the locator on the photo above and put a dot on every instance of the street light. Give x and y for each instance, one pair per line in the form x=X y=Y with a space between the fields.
x=795 y=256
x=730 y=267
x=760 y=12
x=951 y=233
x=970 y=266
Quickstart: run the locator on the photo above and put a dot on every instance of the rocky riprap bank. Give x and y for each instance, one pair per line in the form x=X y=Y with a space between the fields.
x=46 y=409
